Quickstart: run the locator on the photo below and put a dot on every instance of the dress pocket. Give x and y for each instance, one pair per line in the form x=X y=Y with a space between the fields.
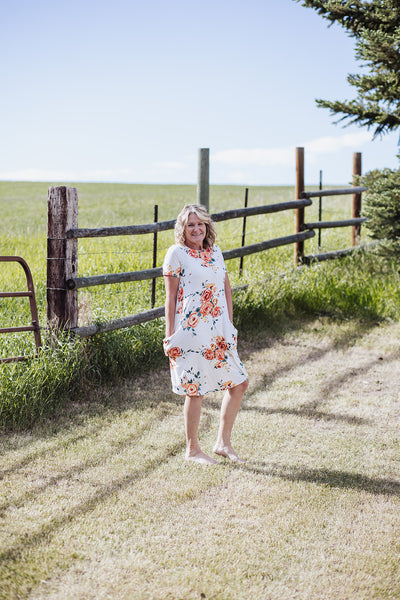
x=173 y=340
x=231 y=334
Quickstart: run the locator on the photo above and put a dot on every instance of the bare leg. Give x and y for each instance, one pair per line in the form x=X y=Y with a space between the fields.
x=192 y=411
x=229 y=409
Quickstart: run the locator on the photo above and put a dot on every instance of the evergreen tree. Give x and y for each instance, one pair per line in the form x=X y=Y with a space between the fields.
x=375 y=25
x=382 y=208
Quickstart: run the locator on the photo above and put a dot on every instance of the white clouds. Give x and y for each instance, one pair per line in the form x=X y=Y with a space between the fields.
x=260 y=157
x=162 y=171
x=284 y=156
x=330 y=144
x=33 y=174
x=170 y=165
x=244 y=166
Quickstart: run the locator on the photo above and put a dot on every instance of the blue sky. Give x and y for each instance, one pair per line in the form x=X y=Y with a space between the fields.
x=129 y=90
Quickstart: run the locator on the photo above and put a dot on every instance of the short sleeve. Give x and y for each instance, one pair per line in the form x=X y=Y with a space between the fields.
x=172 y=265
x=220 y=256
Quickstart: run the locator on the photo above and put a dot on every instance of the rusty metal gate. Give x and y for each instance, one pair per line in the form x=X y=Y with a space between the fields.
x=30 y=293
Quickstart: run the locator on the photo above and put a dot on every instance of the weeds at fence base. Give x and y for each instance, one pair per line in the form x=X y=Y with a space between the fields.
x=68 y=366
x=362 y=287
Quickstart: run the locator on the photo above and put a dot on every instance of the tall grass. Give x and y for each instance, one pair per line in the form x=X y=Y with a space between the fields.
x=361 y=286
x=357 y=287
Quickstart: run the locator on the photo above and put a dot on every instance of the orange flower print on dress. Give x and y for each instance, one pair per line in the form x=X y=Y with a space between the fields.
x=209 y=354
x=220 y=355
x=216 y=352
x=206 y=295
x=193 y=253
x=227 y=385
x=221 y=342
x=192 y=389
x=206 y=257
x=174 y=352
x=206 y=308
x=179 y=306
x=170 y=272
x=193 y=319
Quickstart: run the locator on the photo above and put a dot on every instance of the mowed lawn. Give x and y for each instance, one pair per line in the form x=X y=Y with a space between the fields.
x=98 y=503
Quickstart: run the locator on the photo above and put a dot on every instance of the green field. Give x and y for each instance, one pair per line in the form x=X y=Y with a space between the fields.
x=23 y=230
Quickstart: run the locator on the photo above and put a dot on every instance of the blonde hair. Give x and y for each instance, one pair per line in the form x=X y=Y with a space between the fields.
x=203 y=215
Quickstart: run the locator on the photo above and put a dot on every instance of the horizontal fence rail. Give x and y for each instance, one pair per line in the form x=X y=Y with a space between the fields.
x=312 y=258
x=123 y=322
x=333 y=224
x=338 y=192
x=84 y=282
x=129 y=321
x=267 y=245
x=124 y=230
x=167 y=225
x=260 y=210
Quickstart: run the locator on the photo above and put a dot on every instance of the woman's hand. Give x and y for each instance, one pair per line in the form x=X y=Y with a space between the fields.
x=165 y=342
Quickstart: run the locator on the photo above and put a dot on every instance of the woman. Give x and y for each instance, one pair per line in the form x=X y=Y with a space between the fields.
x=200 y=338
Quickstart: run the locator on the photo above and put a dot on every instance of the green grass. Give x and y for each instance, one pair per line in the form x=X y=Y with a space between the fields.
x=24 y=222
x=362 y=287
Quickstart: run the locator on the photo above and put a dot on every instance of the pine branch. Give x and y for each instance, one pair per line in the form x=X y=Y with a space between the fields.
x=353 y=15
x=376 y=26
x=355 y=112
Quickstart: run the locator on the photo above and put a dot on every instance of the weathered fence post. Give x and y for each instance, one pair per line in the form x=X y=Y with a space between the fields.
x=62 y=257
x=356 y=206
x=246 y=199
x=203 y=179
x=153 y=283
x=320 y=210
x=299 y=221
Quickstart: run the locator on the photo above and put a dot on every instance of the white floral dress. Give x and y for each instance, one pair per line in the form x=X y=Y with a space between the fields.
x=203 y=348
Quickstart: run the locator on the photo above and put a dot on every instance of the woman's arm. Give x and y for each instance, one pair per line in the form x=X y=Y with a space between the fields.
x=171 y=291
x=228 y=296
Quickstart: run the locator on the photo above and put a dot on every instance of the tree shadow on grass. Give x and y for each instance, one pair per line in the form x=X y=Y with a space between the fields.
x=267 y=335
x=267 y=339
x=311 y=414
x=326 y=477
x=27 y=543
x=342 y=340
x=72 y=425
x=309 y=410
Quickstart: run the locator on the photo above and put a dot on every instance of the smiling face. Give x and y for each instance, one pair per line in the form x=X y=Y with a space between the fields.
x=195 y=232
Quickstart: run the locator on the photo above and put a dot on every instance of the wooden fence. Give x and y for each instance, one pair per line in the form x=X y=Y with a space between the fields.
x=355 y=222
x=63 y=234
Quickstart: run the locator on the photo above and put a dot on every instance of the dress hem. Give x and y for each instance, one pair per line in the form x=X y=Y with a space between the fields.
x=219 y=389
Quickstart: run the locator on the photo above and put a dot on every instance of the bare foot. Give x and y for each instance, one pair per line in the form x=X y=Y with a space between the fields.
x=201 y=458
x=227 y=452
